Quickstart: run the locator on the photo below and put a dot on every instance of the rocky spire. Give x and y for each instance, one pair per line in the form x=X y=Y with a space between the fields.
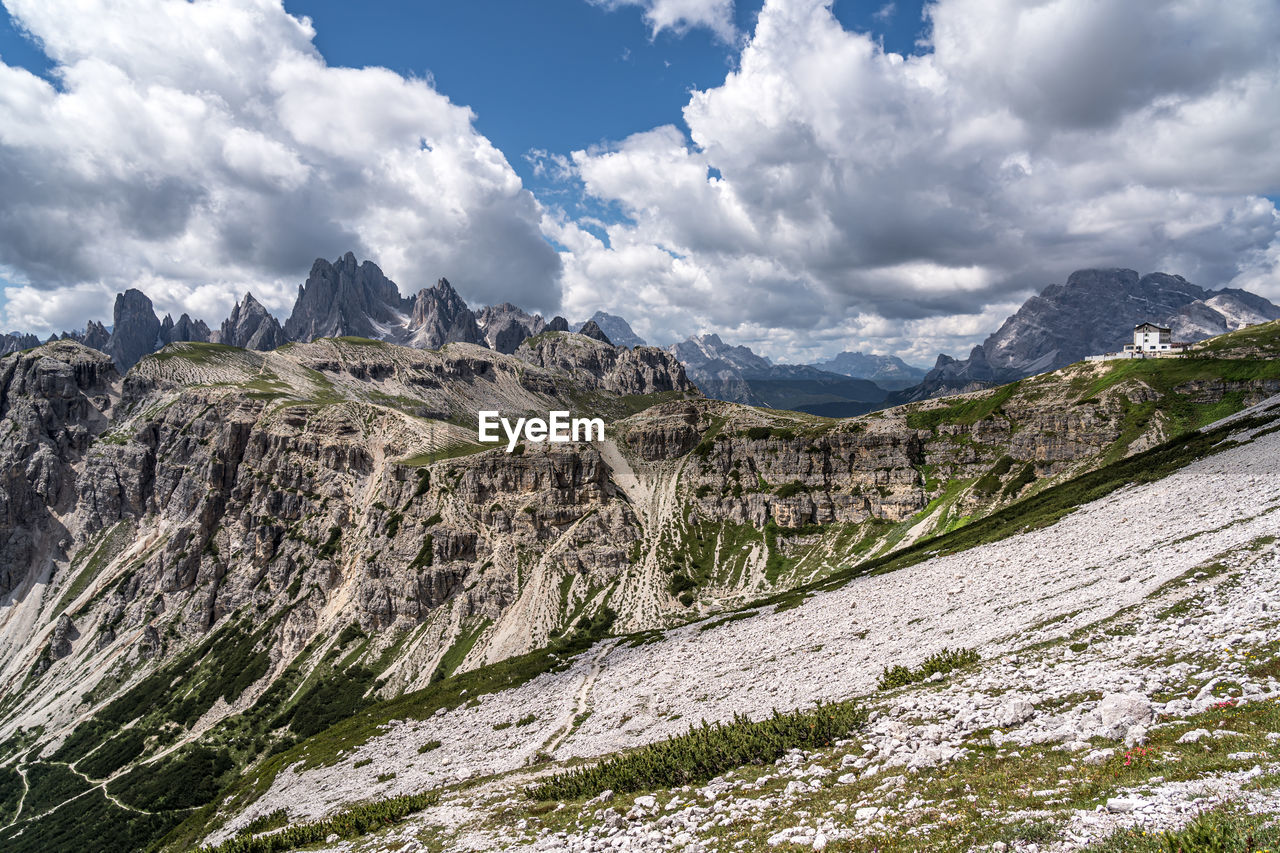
x=506 y=326
x=345 y=298
x=440 y=316
x=251 y=326
x=135 y=331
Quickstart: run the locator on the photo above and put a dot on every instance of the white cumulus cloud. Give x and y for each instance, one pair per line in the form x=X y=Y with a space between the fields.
x=827 y=185
x=201 y=149
x=680 y=16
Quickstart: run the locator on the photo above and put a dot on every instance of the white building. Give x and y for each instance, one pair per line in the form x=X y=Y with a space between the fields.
x=1150 y=338
x=1149 y=341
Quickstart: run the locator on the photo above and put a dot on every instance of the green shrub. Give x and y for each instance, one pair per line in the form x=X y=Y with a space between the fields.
x=1211 y=832
x=262 y=823
x=944 y=661
x=354 y=822
x=349 y=633
x=680 y=582
x=789 y=490
x=426 y=556
x=989 y=483
x=185 y=779
x=429 y=746
x=1025 y=476
x=706 y=751
x=330 y=546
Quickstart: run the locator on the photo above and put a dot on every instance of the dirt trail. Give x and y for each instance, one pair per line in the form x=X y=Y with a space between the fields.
x=22 y=772
x=582 y=701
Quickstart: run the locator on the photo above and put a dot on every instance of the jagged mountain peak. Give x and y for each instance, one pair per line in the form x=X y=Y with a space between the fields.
x=592 y=330
x=343 y=298
x=251 y=326
x=617 y=329
x=506 y=326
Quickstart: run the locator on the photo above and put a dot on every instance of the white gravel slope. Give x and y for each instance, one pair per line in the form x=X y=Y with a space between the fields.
x=997 y=598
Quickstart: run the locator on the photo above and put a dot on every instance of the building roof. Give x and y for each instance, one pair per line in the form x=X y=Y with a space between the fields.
x=1152 y=327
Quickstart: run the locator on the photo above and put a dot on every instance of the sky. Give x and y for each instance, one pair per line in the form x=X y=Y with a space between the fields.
x=800 y=176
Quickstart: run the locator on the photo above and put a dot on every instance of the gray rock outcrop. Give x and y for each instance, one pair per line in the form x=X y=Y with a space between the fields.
x=440 y=316
x=506 y=326
x=593 y=331
x=345 y=298
x=14 y=341
x=185 y=330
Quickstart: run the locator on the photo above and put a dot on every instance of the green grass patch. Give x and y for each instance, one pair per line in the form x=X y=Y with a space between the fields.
x=965 y=413
x=457 y=653
x=450 y=451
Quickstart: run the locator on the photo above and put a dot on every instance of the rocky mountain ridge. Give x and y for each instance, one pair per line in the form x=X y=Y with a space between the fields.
x=888 y=371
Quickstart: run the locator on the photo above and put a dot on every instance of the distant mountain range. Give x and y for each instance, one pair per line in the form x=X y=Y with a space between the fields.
x=737 y=374
x=1094 y=312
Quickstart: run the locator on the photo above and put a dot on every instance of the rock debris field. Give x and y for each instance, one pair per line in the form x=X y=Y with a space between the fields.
x=1207 y=525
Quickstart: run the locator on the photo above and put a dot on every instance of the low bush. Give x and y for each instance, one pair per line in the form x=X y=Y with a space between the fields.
x=790 y=490
x=704 y=752
x=351 y=823
x=943 y=662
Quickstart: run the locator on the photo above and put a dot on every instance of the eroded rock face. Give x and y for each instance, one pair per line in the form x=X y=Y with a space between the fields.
x=54 y=401
x=17 y=341
x=842 y=476
x=136 y=330
x=185 y=329
x=439 y=317
x=344 y=298
x=336 y=482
